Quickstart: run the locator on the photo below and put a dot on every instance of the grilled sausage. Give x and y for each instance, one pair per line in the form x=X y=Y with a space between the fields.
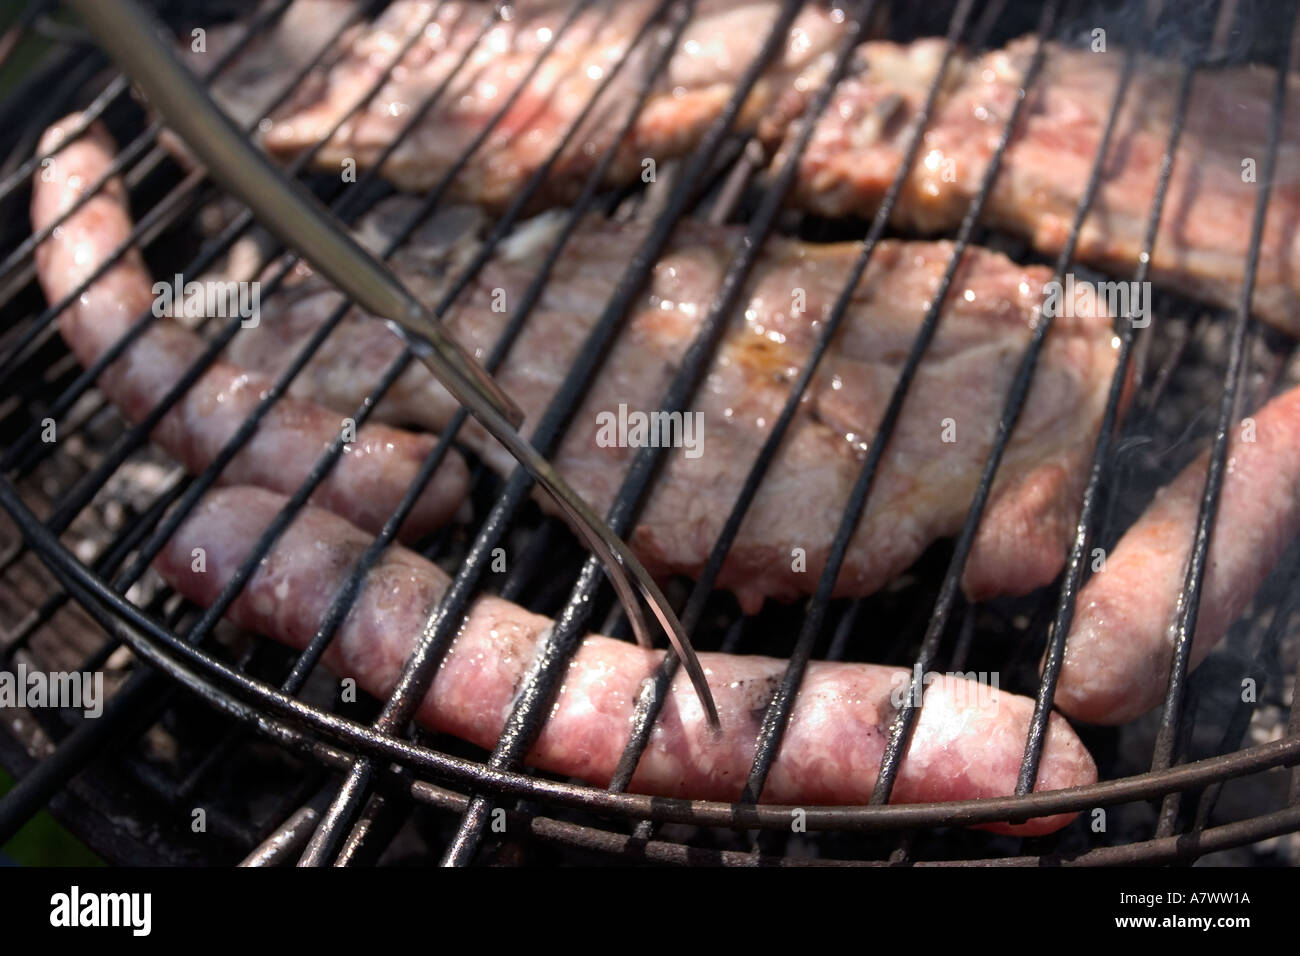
x=967 y=742
x=376 y=468
x=1119 y=652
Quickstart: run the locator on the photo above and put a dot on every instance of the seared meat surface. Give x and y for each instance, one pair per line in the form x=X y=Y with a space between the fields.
x=1204 y=232
x=927 y=476
x=857 y=146
x=722 y=38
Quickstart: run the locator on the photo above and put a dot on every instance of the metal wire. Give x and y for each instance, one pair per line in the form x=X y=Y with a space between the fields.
x=652 y=699
x=1189 y=600
x=441 y=627
x=1075 y=564
x=254 y=702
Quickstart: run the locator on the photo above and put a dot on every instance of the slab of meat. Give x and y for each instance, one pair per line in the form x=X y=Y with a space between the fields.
x=1119 y=652
x=927 y=477
x=859 y=142
x=1205 y=228
x=269 y=57
x=375 y=469
x=723 y=37
x=967 y=744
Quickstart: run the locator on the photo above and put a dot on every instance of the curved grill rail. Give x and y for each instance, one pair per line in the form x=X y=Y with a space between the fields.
x=388 y=774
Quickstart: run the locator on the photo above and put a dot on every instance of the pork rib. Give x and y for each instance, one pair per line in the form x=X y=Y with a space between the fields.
x=927 y=477
x=1201 y=247
x=376 y=468
x=967 y=743
x=1119 y=652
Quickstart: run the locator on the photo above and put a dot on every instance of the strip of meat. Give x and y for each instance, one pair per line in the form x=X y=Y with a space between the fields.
x=376 y=468
x=927 y=477
x=1204 y=231
x=722 y=39
x=860 y=140
x=1119 y=652
x=270 y=58
x=967 y=744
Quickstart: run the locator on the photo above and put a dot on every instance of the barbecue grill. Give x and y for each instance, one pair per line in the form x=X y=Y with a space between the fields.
x=202 y=716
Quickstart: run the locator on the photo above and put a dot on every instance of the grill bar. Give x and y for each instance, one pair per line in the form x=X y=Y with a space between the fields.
x=348 y=800
x=128 y=155
x=440 y=629
x=250 y=700
x=1190 y=599
x=343 y=600
x=1235 y=731
x=52 y=774
x=24 y=454
x=690 y=372
x=639 y=849
x=778 y=712
x=22 y=174
x=1019 y=392
x=307 y=659
x=1075 y=563
x=652 y=699
x=557 y=647
x=130 y=441
x=238 y=227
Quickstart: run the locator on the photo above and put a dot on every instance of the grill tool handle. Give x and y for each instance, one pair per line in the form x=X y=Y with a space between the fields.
x=298 y=219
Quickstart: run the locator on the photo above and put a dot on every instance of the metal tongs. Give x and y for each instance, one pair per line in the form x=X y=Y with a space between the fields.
x=298 y=219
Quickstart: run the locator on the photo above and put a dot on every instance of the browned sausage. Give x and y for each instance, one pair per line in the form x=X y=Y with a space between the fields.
x=1118 y=655
x=967 y=742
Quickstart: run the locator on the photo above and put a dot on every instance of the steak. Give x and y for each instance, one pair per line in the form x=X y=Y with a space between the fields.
x=720 y=41
x=926 y=478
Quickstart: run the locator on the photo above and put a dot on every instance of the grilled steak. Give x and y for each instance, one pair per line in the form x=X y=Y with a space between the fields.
x=967 y=743
x=1120 y=648
x=859 y=142
x=721 y=40
x=926 y=478
x=376 y=468
x=1205 y=228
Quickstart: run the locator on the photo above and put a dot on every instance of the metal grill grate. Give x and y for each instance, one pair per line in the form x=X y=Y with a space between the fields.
x=385 y=772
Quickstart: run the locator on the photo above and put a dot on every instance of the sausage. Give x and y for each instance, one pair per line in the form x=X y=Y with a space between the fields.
x=375 y=469
x=1120 y=649
x=967 y=742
